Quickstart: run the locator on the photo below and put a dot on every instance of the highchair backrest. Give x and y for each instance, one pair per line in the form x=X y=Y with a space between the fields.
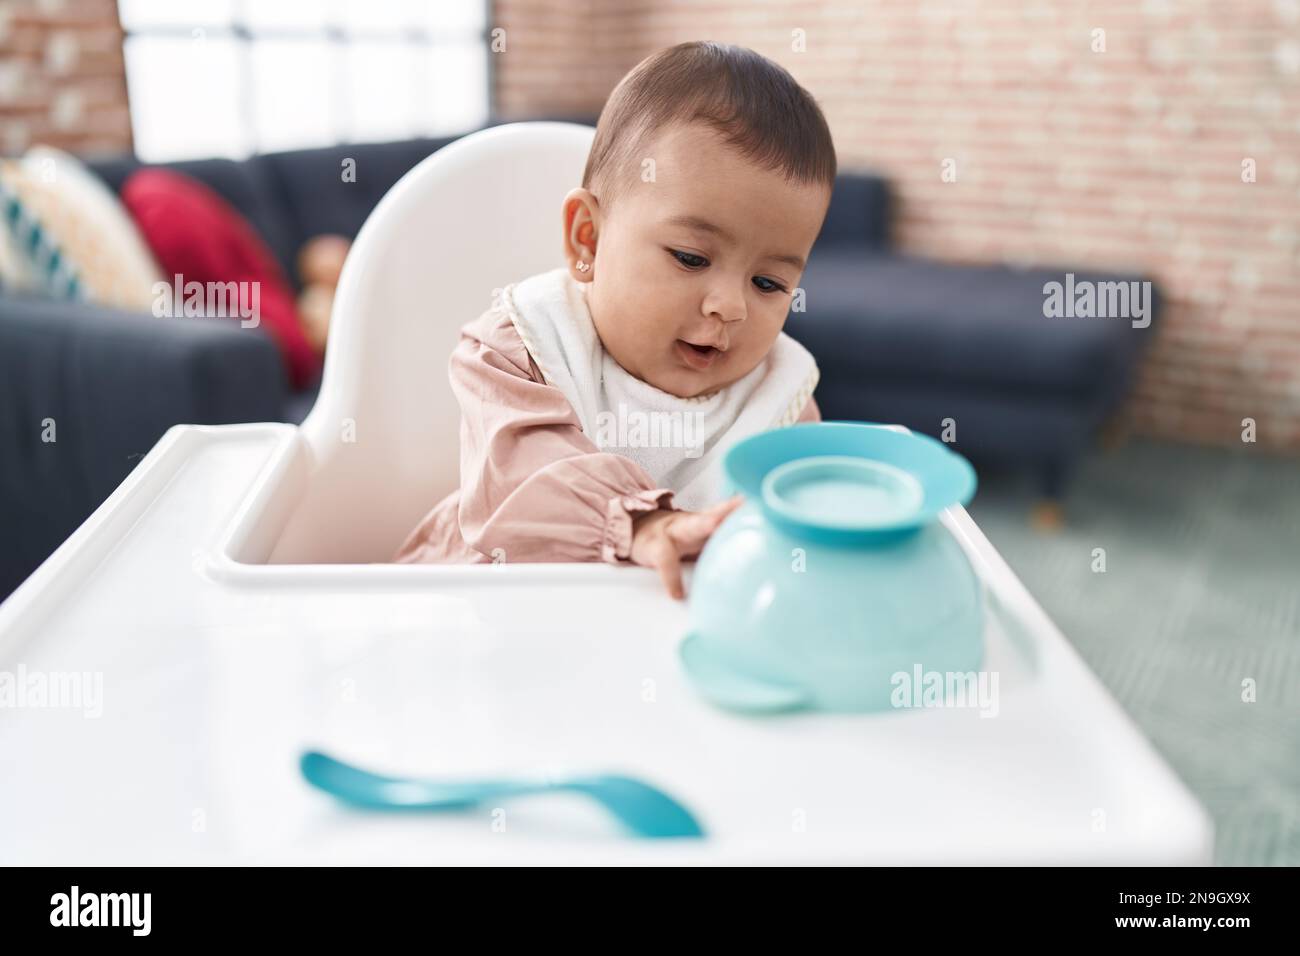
x=383 y=436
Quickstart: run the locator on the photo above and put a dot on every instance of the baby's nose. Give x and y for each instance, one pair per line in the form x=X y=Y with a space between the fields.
x=725 y=305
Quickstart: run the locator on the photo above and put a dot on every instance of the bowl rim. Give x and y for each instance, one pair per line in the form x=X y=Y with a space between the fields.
x=902 y=483
x=946 y=477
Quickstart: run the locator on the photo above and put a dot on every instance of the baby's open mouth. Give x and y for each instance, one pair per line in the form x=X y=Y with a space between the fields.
x=697 y=356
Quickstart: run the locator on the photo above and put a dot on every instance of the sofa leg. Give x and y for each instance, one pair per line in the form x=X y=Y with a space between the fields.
x=1047 y=515
x=1113 y=434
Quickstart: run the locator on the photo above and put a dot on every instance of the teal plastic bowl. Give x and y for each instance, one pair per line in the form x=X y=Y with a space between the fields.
x=835 y=575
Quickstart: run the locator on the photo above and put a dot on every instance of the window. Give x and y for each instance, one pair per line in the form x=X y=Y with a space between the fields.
x=237 y=77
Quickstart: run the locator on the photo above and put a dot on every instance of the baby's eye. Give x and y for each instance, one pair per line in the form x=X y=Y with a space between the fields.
x=689 y=259
x=770 y=287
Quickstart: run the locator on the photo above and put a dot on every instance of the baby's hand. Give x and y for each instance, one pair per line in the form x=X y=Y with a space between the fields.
x=662 y=539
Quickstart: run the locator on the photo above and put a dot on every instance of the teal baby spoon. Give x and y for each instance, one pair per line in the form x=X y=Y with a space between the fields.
x=644 y=810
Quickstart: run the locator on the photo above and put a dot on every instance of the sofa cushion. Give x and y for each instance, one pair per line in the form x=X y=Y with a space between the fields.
x=858 y=213
x=197 y=236
x=31 y=259
x=989 y=428
x=53 y=194
x=914 y=320
x=318 y=200
x=244 y=185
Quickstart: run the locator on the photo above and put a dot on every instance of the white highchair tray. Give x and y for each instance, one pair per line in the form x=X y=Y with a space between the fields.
x=219 y=669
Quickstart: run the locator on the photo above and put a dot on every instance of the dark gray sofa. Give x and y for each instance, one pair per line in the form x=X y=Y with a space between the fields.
x=916 y=342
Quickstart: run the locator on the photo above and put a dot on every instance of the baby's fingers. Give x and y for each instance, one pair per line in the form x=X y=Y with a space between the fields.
x=691 y=531
x=669 y=564
x=722 y=509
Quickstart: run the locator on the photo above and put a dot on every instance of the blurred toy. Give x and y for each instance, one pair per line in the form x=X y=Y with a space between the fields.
x=320 y=262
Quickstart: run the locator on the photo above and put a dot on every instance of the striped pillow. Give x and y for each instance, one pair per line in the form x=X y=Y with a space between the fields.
x=70 y=226
x=31 y=258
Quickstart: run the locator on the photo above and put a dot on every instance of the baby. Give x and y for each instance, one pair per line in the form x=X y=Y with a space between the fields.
x=598 y=400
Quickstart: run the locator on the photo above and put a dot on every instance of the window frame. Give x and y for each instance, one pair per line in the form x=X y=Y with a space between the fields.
x=245 y=36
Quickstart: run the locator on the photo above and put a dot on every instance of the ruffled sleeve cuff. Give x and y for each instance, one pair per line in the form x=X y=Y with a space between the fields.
x=617 y=543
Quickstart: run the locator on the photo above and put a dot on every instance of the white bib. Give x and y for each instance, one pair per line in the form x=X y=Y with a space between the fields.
x=680 y=442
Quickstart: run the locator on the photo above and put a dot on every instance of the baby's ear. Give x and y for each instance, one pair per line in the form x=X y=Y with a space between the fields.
x=581 y=218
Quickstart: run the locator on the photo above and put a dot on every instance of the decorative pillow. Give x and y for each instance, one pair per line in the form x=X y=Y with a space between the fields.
x=15 y=272
x=199 y=238
x=30 y=258
x=77 y=215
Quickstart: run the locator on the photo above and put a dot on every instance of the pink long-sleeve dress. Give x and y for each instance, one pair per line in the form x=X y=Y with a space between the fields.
x=533 y=486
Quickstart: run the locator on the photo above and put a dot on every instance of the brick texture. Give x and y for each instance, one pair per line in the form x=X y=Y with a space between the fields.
x=62 y=76
x=1067 y=154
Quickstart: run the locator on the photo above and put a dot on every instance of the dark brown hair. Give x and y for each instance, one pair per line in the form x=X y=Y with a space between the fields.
x=754 y=104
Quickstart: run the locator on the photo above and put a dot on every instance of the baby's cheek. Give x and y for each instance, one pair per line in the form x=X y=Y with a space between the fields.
x=759 y=339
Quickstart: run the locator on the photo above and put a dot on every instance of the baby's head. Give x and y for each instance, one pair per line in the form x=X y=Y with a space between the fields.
x=705 y=188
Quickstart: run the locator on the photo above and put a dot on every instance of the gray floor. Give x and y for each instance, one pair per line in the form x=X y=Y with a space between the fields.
x=1201 y=592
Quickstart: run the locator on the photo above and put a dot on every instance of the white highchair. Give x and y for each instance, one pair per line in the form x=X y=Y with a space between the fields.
x=481 y=213
x=228 y=606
